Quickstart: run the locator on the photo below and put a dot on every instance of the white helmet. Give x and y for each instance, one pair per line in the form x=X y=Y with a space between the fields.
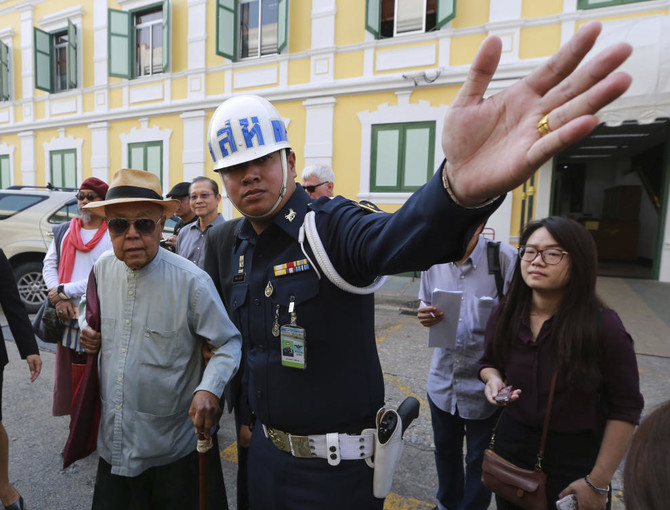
x=244 y=128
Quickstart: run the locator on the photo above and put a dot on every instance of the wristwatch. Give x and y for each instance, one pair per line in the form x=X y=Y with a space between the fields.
x=61 y=292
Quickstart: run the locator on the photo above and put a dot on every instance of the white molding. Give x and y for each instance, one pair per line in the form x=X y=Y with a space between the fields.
x=148 y=134
x=27 y=62
x=58 y=20
x=28 y=167
x=141 y=93
x=501 y=10
x=406 y=57
x=248 y=78
x=59 y=143
x=403 y=112
x=319 y=130
x=100 y=150
x=8 y=150
x=100 y=54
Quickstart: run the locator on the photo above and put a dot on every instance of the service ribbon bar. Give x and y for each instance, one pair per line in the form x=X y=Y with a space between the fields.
x=291 y=267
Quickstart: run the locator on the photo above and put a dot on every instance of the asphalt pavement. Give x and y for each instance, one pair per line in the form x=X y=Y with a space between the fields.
x=36 y=438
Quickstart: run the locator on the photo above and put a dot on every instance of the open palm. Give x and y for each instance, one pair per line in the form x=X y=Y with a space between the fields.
x=492 y=145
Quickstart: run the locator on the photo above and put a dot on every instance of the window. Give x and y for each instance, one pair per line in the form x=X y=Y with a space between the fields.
x=402 y=156
x=10 y=204
x=66 y=213
x=390 y=18
x=4 y=72
x=5 y=175
x=56 y=59
x=64 y=168
x=594 y=4
x=251 y=28
x=139 y=41
x=147 y=156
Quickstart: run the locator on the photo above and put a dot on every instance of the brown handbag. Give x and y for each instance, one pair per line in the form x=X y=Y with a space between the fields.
x=525 y=488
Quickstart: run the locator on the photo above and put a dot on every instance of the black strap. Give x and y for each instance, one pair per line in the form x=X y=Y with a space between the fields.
x=229 y=231
x=493 y=258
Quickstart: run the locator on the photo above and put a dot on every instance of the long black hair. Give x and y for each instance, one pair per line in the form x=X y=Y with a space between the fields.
x=575 y=331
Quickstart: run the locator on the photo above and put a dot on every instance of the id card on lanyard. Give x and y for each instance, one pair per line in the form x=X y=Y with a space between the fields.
x=293 y=342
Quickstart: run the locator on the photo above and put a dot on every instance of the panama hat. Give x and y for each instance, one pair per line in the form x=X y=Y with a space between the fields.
x=129 y=186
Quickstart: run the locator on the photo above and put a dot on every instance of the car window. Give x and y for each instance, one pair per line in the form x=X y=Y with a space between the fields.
x=11 y=204
x=168 y=228
x=65 y=213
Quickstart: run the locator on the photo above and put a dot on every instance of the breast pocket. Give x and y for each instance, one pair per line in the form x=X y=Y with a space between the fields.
x=299 y=289
x=482 y=311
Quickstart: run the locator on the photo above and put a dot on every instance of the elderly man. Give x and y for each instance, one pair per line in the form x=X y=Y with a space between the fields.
x=310 y=439
x=204 y=201
x=318 y=181
x=151 y=366
x=76 y=246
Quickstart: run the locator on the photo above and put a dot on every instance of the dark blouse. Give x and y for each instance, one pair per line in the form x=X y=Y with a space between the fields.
x=531 y=367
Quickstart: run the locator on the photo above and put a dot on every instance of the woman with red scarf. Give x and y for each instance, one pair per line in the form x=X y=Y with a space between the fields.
x=67 y=264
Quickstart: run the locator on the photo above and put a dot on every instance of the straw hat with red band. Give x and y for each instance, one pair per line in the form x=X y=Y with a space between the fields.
x=130 y=186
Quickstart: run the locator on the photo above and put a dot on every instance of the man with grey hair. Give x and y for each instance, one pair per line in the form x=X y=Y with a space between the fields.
x=318 y=181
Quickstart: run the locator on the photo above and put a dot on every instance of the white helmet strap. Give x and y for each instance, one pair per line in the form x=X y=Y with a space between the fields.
x=282 y=190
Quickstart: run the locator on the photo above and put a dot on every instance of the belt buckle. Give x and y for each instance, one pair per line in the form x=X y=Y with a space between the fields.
x=279 y=439
x=300 y=446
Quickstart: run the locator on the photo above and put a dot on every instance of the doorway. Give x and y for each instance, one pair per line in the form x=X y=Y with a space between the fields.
x=615 y=183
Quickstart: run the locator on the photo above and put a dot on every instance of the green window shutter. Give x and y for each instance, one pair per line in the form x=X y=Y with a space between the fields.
x=120 y=37
x=226 y=29
x=282 y=25
x=4 y=72
x=446 y=10
x=166 y=35
x=71 y=55
x=44 y=79
x=373 y=17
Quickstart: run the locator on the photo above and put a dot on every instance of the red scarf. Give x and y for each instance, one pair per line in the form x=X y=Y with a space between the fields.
x=71 y=243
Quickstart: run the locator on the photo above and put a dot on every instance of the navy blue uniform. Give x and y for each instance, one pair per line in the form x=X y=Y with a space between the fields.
x=342 y=387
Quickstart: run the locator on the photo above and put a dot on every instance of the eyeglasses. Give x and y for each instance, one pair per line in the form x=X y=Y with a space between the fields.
x=143 y=226
x=203 y=196
x=312 y=189
x=86 y=196
x=550 y=256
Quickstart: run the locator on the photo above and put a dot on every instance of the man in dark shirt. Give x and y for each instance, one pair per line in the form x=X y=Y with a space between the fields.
x=184 y=213
x=312 y=415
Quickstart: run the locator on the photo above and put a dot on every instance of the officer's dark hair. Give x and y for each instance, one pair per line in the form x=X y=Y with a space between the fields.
x=215 y=186
x=575 y=330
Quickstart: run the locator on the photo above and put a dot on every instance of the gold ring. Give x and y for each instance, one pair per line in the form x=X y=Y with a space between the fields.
x=543 y=125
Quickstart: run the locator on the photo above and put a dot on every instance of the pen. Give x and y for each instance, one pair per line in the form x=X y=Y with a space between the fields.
x=432 y=315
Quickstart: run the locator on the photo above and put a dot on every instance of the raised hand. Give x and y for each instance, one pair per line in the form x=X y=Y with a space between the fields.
x=493 y=145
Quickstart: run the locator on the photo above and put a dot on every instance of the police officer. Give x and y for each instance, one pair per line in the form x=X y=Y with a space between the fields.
x=309 y=444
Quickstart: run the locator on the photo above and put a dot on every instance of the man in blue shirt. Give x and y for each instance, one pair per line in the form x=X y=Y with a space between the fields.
x=458 y=406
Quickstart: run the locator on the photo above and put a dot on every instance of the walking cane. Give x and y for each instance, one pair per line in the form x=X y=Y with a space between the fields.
x=204 y=445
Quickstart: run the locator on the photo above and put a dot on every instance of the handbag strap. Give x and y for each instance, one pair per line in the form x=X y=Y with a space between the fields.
x=545 y=426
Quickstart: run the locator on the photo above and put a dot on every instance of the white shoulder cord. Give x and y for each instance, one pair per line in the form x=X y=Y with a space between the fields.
x=309 y=227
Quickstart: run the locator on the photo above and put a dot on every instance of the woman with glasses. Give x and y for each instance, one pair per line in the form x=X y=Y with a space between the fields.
x=551 y=321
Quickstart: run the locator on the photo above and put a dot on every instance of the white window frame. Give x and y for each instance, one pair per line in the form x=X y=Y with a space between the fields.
x=8 y=150
x=61 y=143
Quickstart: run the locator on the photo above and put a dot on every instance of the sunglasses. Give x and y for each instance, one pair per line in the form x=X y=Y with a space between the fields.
x=86 y=196
x=312 y=189
x=143 y=226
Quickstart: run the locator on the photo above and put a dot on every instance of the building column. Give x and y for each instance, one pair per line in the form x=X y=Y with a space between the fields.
x=28 y=165
x=318 y=131
x=100 y=150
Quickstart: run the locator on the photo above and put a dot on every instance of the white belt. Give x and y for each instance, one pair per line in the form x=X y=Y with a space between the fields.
x=332 y=447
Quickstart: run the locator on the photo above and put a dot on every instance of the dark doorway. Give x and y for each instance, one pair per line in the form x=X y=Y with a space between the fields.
x=614 y=183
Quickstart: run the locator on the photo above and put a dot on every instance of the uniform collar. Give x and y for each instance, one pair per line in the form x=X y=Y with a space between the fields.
x=289 y=218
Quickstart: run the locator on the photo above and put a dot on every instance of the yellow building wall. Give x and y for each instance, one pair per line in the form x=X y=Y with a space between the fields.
x=179 y=32
x=84 y=133
x=471 y=13
x=299 y=71
x=115 y=98
x=116 y=129
x=539 y=9
x=179 y=88
x=463 y=49
x=215 y=83
x=348 y=64
x=295 y=112
x=300 y=25
x=541 y=41
x=346 y=31
x=87 y=74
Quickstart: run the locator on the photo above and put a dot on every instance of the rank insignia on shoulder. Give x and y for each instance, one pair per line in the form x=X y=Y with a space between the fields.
x=368 y=206
x=291 y=267
x=290 y=216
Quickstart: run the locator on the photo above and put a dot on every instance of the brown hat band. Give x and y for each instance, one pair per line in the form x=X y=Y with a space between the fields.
x=132 y=192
